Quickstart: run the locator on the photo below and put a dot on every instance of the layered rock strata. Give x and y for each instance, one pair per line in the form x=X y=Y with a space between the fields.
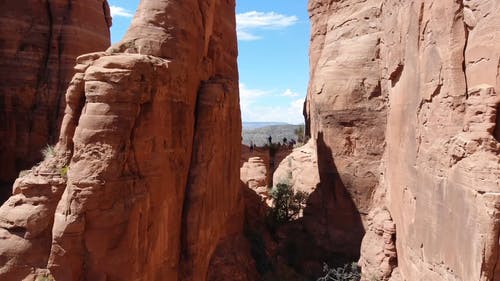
x=39 y=42
x=403 y=106
x=148 y=152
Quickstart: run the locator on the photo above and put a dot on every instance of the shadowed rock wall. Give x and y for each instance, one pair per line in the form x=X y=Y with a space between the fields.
x=39 y=42
x=346 y=116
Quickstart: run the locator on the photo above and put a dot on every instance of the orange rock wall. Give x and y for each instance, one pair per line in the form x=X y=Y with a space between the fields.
x=403 y=104
x=442 y=161
x=39 y=42
x=346 y=116
x=151 y=140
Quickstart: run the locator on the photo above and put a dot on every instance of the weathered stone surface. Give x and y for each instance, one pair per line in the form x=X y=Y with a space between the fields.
x=345 y=116
x=257 y=167
x=26 y=221
x=254 y=171
x=378 y=249
x=151 y=134
x=232 y=261
x=299 y=169
x=39 y=42
x=442 y=158
x=403 y=104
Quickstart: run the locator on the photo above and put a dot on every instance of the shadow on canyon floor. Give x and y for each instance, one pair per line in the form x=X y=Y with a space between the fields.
x=329 y=232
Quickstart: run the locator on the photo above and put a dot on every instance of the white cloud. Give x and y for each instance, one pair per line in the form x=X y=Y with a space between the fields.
x=120 y=12
x=250 y=21
x=249 y=96
x=289 y=93
x=270 y=20
x=254 y=111
x=245 y=36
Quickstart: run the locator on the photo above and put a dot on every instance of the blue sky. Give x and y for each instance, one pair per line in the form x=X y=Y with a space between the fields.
x=273 y=40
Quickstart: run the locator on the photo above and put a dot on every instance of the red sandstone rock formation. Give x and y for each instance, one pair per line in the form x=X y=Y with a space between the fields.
x=254 y=171
x=39 y=42
x=441 y=74
x=346 y=116
x=258 y=166
x=403 y=105
x=150 y=142
x=299 y=169
x=378 y=250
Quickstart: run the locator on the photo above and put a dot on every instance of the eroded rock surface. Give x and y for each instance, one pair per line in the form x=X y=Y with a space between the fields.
x=150 y=141
x=255 y=172
x=378 y=250
x=403 y=105
x=345 y=116
x=299 y=169
x=39 y=42
x=442 y=158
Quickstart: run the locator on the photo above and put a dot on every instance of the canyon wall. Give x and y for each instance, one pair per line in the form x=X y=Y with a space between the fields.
x=403 y=106
x=143 y=183
x=39 y=42
x=346 y=118
x=442 y=159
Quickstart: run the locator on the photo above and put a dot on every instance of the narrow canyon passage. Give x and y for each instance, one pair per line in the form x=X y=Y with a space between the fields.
x=152 y=177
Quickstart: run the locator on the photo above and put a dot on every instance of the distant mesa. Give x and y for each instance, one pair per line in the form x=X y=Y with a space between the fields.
x=259 y=132
x=255 y=125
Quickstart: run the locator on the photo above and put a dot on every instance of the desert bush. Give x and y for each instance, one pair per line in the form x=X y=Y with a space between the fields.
x=45 y=278
x=48 y=151
x=349 y=272
x=64 y=171
x=286 y=204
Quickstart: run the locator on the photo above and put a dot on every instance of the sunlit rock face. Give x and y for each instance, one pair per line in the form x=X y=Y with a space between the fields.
x=145 y=175
x=346 y=117
x=441 y=169
x=39 y=42
x=403 y=104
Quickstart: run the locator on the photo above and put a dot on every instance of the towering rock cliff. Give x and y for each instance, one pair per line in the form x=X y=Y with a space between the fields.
x=39 y=42
x=403 y=106
x=442 y=160
x=145 y=173
x=346 y=117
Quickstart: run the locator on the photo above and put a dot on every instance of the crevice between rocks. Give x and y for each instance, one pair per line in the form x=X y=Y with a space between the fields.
x=496 y=131
x=396 y=74
x=464 y=62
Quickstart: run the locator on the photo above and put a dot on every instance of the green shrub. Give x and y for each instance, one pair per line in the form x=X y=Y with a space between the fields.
x=286 y=204
x=349 y=272
x=45 y=278
x=64 y=171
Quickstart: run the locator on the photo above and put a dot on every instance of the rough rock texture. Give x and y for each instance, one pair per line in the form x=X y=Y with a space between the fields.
x=254 y=171
x=403 y=105
x=345 y=116
x=150 y=141
x=299 y=169
x=378 y=249
x=26 y=220
x=230 y=264
x=39 y=42
x=258 y=166
x=442 y=161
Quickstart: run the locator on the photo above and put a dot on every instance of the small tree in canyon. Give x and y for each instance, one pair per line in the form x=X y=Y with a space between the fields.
x=287 y=205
